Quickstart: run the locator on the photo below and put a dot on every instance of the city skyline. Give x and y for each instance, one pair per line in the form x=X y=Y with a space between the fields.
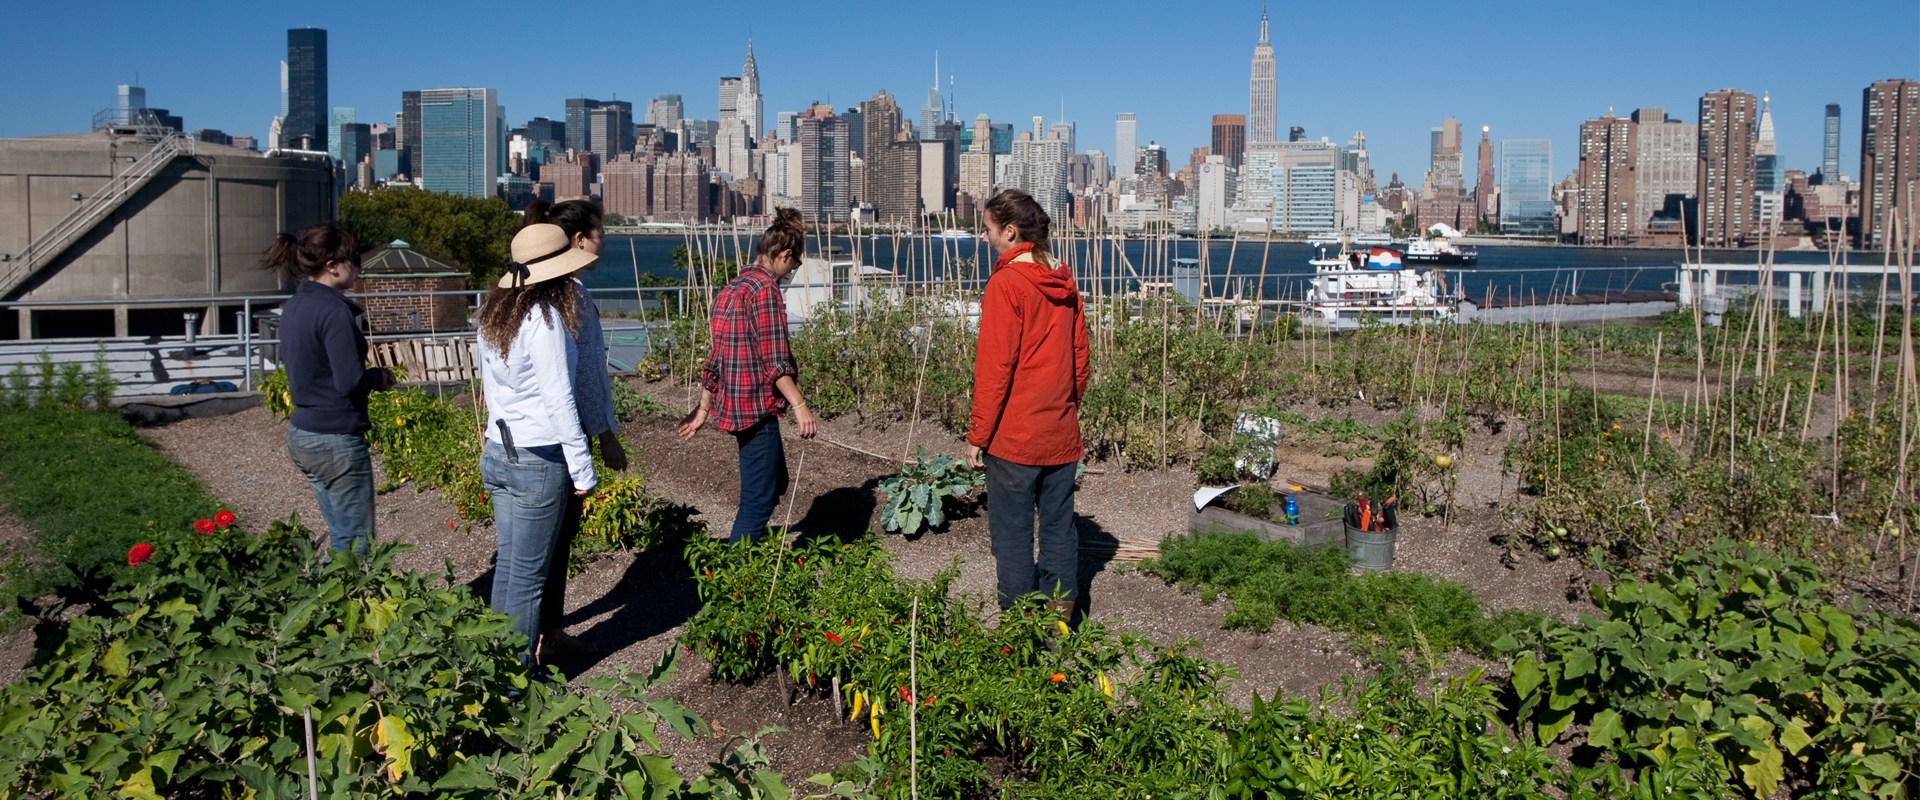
x=839 y=57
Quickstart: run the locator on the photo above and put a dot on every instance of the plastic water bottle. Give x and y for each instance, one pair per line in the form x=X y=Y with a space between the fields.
x=1293 y=510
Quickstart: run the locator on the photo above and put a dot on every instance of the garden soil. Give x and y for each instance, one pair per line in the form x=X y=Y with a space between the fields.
x=15 y=646
x=632 y=607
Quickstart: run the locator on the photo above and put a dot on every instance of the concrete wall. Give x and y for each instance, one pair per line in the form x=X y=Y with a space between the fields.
x=197 y=229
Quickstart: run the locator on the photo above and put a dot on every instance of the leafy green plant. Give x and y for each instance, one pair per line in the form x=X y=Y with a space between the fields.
x=89 y=486
x=197 y=678
x=917 y=498
x=1740 y=653
x=275 y=395
x=1385 y=614
x=621 y=515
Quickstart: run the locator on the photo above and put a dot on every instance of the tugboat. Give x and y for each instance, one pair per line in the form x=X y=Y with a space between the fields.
x=1437 y=249
x=1375 y=283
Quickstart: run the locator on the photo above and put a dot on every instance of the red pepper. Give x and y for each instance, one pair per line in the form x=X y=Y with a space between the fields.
x=906 y=696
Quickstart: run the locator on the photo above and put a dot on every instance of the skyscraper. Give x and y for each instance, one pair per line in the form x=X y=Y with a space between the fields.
x=1889 y=158
x=665 y=111
x=1767 y=175
x=1446 y=165
x=1229 y=138
x=1666 y=163
x=823 y=167
x=1262 y=126
x=1126 y=145
x=1606 y=180
x=610 y=130
x=409 y=123
x=729 y=98
x=356 y=143
x=1830 y=155
x=580 y=123
x=305 y=127
x=934 y=112
x=341 y=115
x=892 y=166
x=1724 y=177
x=460 y=139
x=1483 y=187
x=1526 y=186
x=627 y=187
x=976 y=165
x=748 y=106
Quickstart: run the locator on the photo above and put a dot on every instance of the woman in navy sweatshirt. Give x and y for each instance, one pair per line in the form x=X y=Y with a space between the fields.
x=324 y=353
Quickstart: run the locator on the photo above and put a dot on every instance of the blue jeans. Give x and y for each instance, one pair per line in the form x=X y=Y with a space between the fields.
x=530 y=488
x=340 y=471
x=1016 y=493
x=763 y=479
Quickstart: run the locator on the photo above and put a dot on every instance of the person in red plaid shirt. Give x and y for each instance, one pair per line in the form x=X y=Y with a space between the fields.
x=747 y=383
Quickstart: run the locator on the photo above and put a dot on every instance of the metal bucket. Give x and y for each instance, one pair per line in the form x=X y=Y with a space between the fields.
x=1371 y=550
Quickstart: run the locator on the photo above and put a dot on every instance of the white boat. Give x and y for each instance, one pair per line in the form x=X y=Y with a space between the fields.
x=1350 y=287
x=1358 y=241
x=1437 y=249
x=954 y=233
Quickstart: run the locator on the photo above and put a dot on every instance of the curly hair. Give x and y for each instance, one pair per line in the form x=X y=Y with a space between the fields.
x=505 y=308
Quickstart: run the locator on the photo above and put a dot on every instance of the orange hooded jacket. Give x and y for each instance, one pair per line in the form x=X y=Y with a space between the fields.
x=1030 y=369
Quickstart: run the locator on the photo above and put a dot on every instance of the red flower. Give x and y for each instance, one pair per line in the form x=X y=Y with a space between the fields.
x=139 y=553
x=223 y=518
x=832 y=637
x=203 y=527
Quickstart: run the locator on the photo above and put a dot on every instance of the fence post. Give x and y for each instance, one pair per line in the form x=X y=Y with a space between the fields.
x=246 y=341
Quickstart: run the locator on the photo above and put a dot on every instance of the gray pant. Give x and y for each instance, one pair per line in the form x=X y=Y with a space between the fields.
x=1016 y=494
x=530 y=488
x=340 y=470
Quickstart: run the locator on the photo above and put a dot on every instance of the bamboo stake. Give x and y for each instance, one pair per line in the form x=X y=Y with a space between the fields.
x=913 y=699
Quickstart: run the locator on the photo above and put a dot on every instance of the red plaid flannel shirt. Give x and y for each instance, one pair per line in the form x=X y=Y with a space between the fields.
x=749 y=351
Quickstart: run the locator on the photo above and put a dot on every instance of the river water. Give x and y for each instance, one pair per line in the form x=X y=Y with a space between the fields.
x=1281 y=268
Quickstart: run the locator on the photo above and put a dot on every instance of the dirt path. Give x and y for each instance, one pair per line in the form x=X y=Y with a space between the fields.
x=634 y=606
x=16 y=647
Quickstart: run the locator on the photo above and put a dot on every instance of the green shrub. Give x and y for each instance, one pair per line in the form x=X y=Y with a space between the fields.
x=917 y=498
x=1740 y=653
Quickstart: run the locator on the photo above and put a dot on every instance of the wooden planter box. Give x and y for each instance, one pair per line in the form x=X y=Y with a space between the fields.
x=1320 y=524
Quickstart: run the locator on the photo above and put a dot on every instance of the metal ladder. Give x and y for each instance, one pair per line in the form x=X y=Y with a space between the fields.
x=167 y=144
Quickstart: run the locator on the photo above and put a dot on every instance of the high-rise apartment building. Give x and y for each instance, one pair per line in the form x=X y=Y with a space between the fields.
x=1606 y=180
x=1889 y=159
x=824 y=197
x=1126 y=147
x=892 y=166
x=1830 y=154
x=1446 y=165
x=1724 y=177
x=626 y=187
x=976 y=164
x=462 y=141
x=570 y=174
x=680 y=189
x=1526 y=186
x=1229 y=138
x=1483 y=186
x=305 y=126
x=1666 y=163
x=1039 y=167
x=1262 y=124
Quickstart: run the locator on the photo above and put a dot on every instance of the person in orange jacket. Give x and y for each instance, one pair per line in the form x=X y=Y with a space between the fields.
x=1029 y=373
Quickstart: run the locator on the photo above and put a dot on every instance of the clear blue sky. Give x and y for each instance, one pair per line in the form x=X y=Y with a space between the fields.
x=1393 y=69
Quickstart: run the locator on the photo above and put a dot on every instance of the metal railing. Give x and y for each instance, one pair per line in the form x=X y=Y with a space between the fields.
x=95 y=207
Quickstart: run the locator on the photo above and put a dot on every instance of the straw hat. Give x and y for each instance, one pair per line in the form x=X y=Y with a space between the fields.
x=543 y=252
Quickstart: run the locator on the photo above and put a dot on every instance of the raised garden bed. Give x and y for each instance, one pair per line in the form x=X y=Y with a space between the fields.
x=1319 y=523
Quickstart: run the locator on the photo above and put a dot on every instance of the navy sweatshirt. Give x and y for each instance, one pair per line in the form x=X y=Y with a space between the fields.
x=324 y=353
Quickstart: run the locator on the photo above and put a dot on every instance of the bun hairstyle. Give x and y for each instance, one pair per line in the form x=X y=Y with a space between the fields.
x=1017 y=208
x=787 y=233
x=576 y=217
x=307 y=255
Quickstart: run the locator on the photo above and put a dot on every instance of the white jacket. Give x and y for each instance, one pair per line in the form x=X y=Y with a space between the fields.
x=530 y=387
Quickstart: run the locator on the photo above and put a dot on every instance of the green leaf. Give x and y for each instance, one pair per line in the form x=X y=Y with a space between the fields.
x=114 y=661
x=393 y=738
x=1578 y=662
x=1794 y=737
x=1526 y=675
x=1607 y=728
x=140 y=786
x=1764 y=770
x=1882 y=765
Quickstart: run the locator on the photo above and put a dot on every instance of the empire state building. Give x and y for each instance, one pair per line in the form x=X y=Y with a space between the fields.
x=1261 y=128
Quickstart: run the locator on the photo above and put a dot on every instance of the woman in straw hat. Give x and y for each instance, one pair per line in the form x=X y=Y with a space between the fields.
x=535 y=457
